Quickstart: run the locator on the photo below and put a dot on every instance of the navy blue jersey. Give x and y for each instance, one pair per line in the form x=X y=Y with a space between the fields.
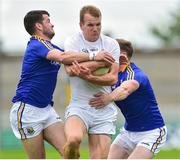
x=39 y=75
x=140 y=109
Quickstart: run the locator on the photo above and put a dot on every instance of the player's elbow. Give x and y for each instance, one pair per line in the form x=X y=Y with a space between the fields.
x=113 y=80
x=125 y=92
x=65 y=60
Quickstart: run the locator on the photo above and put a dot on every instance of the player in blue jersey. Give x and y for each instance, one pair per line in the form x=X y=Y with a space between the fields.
x=32 y=117
x=144 y=131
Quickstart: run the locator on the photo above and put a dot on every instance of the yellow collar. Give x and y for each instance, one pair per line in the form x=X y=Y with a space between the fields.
x=37 y=37
x=124 y=67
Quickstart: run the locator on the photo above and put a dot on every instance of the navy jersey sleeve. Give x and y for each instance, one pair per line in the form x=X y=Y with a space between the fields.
x=141 y=77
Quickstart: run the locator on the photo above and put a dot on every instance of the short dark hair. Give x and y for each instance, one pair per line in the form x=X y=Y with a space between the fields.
x=126 y=46
x=33 y=17
x=92 y=10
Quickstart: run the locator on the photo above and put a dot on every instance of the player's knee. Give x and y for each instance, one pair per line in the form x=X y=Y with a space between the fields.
x=71 y=149
x=74 y=141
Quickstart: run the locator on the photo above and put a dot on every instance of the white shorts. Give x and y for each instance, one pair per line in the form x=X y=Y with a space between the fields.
x=28 y=121
x=152 y=140
x=97 y=121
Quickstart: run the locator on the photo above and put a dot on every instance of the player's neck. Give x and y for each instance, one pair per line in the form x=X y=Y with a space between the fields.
x=41 y=36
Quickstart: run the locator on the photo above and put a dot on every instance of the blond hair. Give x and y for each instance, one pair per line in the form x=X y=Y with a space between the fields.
x=90 y=9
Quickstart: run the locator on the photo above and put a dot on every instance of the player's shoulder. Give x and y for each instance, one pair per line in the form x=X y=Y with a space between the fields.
x=34 y=44
x=109 y=40
x=138 y=71
x=135 y=68
x=74 y=37
x=34 y=41
x=73 y=42
x=41 y=43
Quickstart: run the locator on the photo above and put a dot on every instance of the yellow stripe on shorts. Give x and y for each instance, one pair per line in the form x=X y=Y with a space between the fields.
x=159 y=139
x=19 y=116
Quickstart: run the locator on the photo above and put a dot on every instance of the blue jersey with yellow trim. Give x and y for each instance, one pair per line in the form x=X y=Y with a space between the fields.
x=140 y=109
x=39 y=75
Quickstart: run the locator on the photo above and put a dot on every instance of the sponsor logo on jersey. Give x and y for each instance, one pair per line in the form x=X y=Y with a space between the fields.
x=85 y=50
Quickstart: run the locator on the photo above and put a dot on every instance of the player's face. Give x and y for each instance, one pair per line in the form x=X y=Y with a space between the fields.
x=123 y=59
x=91 y=27
x=47 y=27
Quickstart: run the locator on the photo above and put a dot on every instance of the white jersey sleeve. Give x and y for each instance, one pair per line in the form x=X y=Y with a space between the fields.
x=112 y=46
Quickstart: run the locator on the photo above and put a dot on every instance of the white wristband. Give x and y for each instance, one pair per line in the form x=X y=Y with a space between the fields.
x=92 y=56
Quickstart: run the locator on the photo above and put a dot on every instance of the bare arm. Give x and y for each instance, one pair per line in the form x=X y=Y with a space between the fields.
x=91 y=65
x=124 y=90
x=104 y=80
x=70 y=56
x=120 y=93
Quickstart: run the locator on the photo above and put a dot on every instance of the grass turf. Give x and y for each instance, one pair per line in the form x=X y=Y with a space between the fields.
x=52 y=154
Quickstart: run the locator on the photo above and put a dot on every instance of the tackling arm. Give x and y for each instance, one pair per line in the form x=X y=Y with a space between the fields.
x=124 y=90
x=67 y=57
x=120 y=93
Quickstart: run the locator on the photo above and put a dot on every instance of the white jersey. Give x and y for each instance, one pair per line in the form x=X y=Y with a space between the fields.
x=82 y=91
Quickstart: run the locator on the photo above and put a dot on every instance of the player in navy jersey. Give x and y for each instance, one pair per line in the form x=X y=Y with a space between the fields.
x=32 y=117
x=144 y=131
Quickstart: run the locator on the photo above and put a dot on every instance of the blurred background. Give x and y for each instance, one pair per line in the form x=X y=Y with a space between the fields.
x=153 y=26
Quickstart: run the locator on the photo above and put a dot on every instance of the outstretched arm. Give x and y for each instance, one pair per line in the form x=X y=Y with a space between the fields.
x=70 y=56
x=120 y=93
x=67 y=57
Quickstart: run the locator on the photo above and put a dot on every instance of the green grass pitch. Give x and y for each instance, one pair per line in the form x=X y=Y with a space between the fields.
x=52 y=154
